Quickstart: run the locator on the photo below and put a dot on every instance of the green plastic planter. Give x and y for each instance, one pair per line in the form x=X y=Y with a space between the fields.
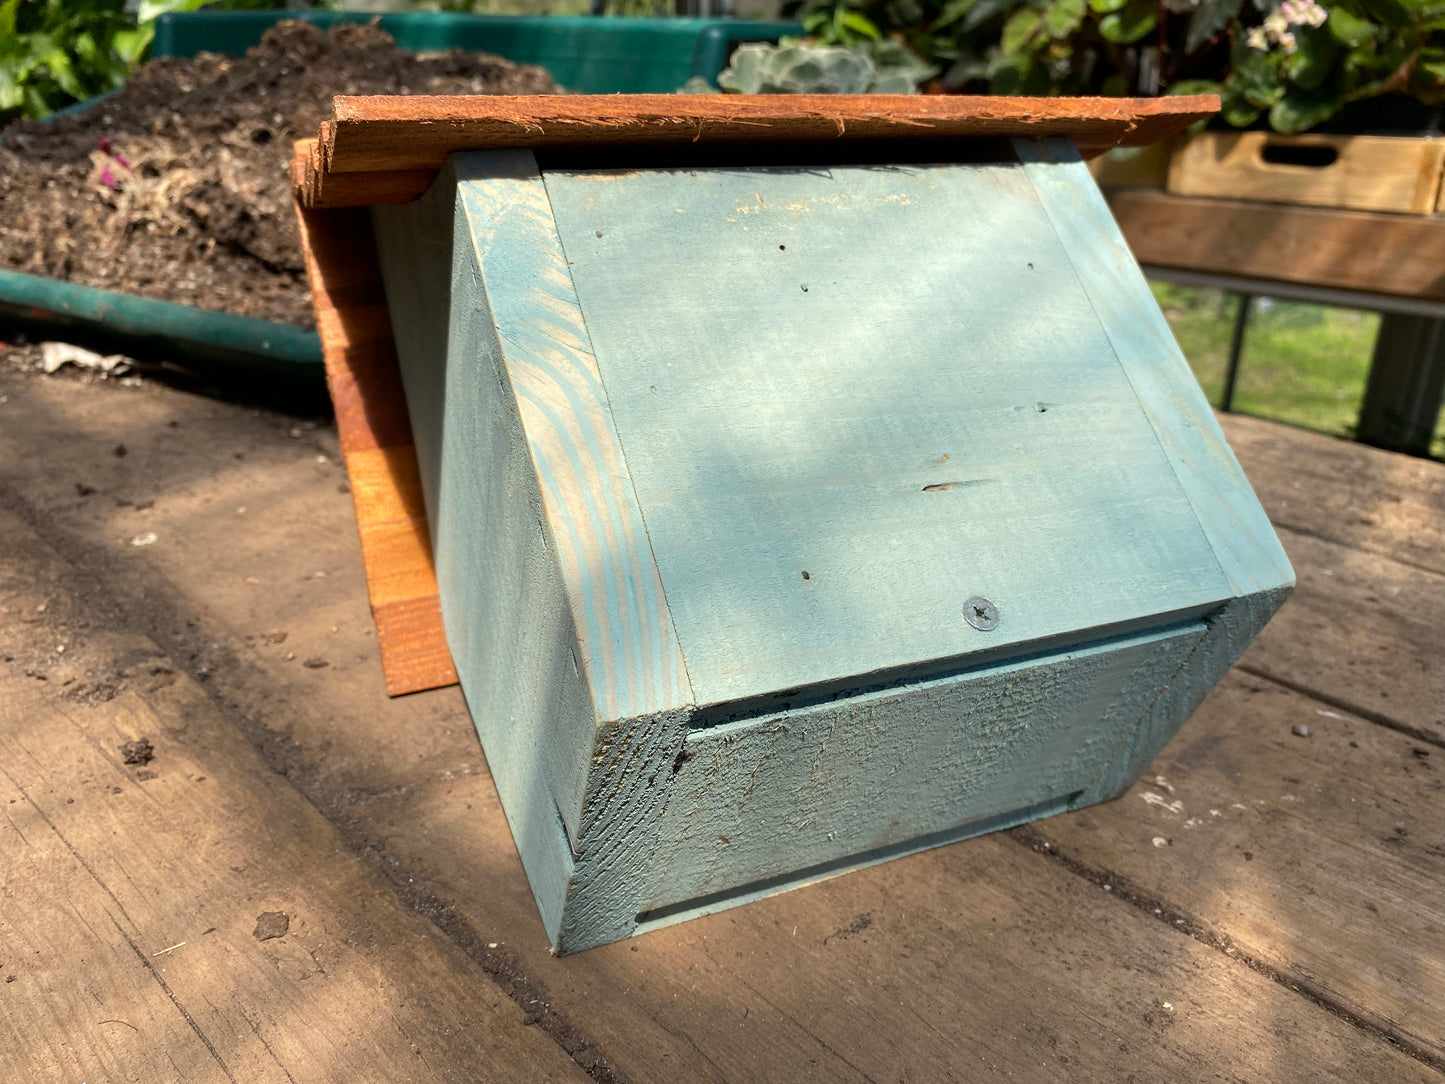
x=143 y=326
x=585 y=54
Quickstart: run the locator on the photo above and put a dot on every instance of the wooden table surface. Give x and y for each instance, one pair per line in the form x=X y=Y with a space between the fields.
x=1268 y=904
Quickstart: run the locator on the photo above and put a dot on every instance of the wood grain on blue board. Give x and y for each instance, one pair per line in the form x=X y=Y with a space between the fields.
x=796 y=789
x=552 y=602
x=628 y=647
x=852 y=399
x=505 y=609
x=1236 y=525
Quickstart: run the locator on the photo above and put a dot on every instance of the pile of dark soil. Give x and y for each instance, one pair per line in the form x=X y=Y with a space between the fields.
x=177 y=187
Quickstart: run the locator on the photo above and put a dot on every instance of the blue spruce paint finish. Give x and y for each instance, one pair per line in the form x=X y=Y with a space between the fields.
x=714 y=460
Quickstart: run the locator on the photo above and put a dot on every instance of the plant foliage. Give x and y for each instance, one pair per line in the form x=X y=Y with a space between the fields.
x=55 y=52
x=1292 y=63
x=867 y=66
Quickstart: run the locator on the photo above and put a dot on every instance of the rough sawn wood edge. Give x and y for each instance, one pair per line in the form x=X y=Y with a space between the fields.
x=385 y=149
x=376 y=442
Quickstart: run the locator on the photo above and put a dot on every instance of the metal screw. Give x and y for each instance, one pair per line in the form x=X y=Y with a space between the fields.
x=981 y=613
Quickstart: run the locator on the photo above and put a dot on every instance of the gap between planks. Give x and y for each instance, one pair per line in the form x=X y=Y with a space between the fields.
x=1375 y=717
x=1033 y=837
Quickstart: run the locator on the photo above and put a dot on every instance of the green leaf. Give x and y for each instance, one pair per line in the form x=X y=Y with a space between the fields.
x=1313 y=60
x=11 y=94
x=1350 y=29
x=1209 y=18
x=1298 y=111
x=1238 y=112
x=951 y=13
x=63 y=72
x=130 y=45
x=1010 y=74
x=1129 y=25
x=1063 y=17
x=860 y=24
x=1196 y=86
x=150 y=9
x=1257 y=80
x=7 y=23
x=985 y=10
x=1020 y=27
x=1393 y=13
x=1104 y=7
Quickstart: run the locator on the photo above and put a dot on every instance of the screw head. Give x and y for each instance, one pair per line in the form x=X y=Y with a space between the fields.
x=981 y=613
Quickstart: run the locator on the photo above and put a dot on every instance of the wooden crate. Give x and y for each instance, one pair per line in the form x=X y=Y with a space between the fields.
x=788 y=519
x=1364 y=173
x=1134 y=167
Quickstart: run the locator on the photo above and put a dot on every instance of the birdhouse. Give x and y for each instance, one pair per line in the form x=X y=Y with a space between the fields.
x=808 y=481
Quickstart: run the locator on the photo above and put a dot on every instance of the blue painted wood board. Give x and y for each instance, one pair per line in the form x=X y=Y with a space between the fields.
x=638 y=431
x=755 y=800
x=891 y=379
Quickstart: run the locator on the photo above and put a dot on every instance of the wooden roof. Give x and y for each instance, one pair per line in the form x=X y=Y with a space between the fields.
x=385 y=149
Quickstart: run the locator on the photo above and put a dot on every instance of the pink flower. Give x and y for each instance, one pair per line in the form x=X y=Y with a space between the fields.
x=123 y=160
x=107 y=178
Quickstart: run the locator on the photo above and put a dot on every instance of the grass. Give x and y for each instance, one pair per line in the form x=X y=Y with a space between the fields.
x=1301 y=364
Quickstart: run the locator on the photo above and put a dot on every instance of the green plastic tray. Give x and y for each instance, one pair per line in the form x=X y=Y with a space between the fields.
x=585 y=54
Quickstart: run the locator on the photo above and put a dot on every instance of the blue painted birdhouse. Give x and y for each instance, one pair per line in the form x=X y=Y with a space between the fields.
x=793 y=512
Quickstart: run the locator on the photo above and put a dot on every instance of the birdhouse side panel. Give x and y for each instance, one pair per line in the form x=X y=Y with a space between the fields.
x=505 y=607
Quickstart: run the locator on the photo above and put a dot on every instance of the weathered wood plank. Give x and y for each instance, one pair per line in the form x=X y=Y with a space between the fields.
x=1367 y=529
x=1318 y=856
x=678 y=1007
x=978 y=956
x=400 y=132
x=371 y=414
x=109 y=1018
x=1363 y=632
x=157 y=879
x=1348 y=250
x=1361 y=497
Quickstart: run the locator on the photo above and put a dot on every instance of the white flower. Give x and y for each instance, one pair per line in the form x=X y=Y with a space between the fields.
x=1257 y=39
x=1287 y=41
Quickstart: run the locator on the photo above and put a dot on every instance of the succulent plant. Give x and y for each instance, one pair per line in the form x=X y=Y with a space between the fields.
x=794 y=67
